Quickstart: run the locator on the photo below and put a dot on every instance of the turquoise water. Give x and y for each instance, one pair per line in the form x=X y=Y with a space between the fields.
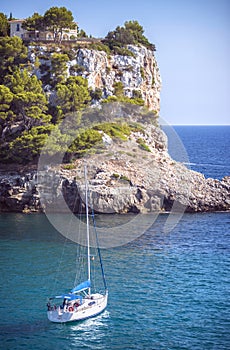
x=167 y=291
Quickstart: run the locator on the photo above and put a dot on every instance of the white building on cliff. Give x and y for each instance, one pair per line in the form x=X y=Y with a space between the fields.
x=36 y=35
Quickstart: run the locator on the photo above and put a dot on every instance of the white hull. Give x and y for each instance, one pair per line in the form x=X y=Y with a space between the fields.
x=89 y=308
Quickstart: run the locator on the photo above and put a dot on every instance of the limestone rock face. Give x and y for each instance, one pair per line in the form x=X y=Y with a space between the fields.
x=139 y=73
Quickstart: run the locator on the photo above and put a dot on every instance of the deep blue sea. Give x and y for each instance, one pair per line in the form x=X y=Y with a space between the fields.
x=166 y=290
x=207 y=148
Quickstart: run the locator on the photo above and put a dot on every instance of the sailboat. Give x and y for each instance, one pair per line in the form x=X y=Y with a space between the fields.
x=80 y=302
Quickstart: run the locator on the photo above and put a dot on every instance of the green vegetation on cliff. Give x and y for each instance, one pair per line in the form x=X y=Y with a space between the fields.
x=28 y=114
x=132 y=33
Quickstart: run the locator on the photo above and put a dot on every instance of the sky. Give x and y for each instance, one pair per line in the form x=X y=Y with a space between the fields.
x=192 y=39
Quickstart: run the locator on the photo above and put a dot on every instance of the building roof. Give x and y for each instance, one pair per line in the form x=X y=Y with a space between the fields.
x=16 y=20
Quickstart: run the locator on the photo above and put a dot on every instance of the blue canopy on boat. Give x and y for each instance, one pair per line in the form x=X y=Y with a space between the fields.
x=68 y=296
x=80 y=287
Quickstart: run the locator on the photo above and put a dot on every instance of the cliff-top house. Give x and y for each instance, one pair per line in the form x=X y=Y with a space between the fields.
x=17 y=30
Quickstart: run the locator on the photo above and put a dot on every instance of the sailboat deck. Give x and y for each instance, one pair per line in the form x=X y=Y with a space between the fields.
x=91 y=306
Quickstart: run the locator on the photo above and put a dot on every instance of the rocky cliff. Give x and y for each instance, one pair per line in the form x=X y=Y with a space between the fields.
x=139 y=73
x=125 y=178
x=132 y=175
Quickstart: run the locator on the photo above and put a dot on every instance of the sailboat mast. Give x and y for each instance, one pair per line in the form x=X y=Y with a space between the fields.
x=87 y=223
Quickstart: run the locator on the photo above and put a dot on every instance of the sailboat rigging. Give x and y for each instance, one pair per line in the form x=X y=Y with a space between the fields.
x=81 y=303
